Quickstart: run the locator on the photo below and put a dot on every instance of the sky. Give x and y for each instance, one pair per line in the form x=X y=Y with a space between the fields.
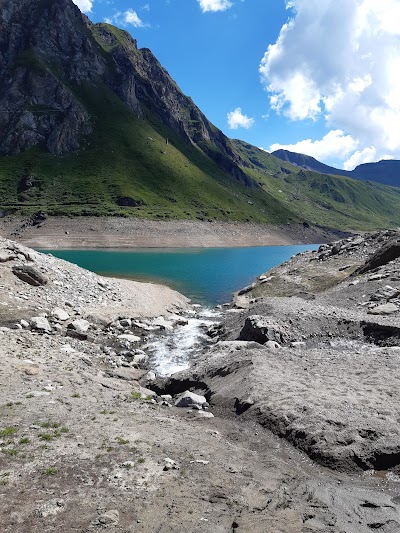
x=319 y=77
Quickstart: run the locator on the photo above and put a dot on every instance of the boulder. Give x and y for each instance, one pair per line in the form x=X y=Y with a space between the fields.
x=384 y=309
x=40 y=323
x=190 y=399
x=384 y=255
x=261 y=329
x=29 y=275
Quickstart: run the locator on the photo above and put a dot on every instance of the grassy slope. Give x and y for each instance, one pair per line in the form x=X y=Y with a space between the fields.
x=333 y=201
x=127 y=156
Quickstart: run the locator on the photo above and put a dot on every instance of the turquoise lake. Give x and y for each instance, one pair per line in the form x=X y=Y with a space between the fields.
x=206 y=275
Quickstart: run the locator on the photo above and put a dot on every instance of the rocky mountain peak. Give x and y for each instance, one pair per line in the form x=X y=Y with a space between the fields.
x=50 y=51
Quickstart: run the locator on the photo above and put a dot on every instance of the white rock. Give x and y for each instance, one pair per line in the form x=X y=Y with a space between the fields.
x=188 y=399
x=204 y=414
x=272 y=345
x=24 y=323
x=37 y=393
x=60 y=314
x=40 y=323
x=129 y=338
x=80 y=325
x=385 y=309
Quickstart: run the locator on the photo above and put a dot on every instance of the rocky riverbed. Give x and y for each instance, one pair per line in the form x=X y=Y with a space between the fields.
x=285 y=421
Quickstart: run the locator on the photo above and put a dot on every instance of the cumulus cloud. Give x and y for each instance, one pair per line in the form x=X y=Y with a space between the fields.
x=333 y=144
x=84 y=5
x=339 y=60
x=214 y=5
x=131 y=17
x=236 y=119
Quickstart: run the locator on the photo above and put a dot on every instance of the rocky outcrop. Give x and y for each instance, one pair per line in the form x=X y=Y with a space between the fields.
x=50 y=54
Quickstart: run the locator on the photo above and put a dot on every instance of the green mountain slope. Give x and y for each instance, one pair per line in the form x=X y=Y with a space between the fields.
x=94 y=125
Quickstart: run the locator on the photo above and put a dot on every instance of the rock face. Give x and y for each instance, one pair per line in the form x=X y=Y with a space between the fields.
x=50 y=54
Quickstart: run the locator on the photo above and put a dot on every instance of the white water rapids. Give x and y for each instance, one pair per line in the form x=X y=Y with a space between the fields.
x=173 y=350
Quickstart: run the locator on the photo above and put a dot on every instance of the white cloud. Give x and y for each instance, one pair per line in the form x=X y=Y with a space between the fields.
x=334 y=144
x=339 y=60
x=236 y=119
x=131 y=17
x=84 y=5
x=127 y=17
x=214 y=5
x=367 y=155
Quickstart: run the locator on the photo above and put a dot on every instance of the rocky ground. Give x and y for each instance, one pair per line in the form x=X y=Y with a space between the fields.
x=40 y=231
x=292 y=427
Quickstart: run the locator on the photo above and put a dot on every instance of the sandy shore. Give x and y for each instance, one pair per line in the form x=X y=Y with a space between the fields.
x=102 y=232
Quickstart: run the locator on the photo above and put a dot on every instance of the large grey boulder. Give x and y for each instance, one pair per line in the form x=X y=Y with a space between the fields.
x=29 y=275
x=262 y=329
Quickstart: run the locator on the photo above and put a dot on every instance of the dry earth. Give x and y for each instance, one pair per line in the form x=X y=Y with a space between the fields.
x=105 y=232
x=84 y=442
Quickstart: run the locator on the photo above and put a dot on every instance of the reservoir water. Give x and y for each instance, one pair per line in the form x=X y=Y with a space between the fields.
x=206 y=275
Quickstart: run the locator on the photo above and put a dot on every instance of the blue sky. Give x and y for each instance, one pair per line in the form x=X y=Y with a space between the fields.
x=320 y=77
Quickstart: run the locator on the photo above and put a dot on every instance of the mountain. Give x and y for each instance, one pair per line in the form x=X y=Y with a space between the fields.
x=91 y=124
x=386 y=172
x=309 y=163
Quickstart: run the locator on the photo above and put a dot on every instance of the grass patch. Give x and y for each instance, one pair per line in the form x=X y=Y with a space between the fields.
x=51 y=471
x=121 y=441
x=135 y=395
x=7 y=432
x=10 y=451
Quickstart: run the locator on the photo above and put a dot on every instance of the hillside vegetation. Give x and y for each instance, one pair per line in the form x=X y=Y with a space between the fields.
x=100 y=128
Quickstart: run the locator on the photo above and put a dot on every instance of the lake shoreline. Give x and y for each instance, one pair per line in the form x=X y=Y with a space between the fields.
x=122 y=233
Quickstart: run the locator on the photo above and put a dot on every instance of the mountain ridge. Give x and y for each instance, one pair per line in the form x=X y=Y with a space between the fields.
x=386 y=171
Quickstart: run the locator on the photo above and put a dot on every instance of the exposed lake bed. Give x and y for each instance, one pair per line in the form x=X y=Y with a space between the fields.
x=300 y=373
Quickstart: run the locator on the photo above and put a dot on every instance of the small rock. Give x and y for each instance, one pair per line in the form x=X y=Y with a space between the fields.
x=109 y=518
x=50 y=508
x=204 y=414
x=170 y=464
x=40 y=323
x=129 y=338
x=60 y=314
x=80 y=326
x=272 y=345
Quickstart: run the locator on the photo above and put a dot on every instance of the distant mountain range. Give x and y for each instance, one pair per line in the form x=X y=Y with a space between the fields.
x=385 y=171
x=92 y=125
